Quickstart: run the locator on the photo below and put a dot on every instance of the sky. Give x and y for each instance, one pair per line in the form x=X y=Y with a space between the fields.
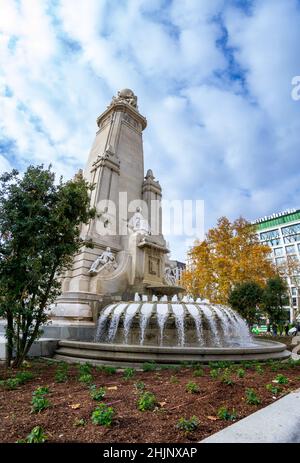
x=213 y=78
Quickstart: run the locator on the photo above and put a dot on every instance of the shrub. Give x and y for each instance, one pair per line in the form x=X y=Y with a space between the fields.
x=147 y=401
x=149 y=366
x=87 y=378
x=39 y=402
x=103 y=415
x=281 y=379
x=188 y=425
x=240 y=373
x=198 y=372
x=128 y=373
x=224 y=414
x=251 y=397
x=97 y=393
x=192 y=388
x=36 y=436
x=273 y=389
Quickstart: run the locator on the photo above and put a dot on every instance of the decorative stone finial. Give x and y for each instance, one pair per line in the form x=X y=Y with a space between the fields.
x=125 y=96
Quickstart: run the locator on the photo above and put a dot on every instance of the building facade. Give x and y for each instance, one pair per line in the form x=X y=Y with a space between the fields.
x=282 y=233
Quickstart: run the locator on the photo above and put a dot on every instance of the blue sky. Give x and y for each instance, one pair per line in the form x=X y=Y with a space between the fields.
x=213 y=78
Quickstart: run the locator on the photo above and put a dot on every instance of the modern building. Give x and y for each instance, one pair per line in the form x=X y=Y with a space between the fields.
x=281 y=232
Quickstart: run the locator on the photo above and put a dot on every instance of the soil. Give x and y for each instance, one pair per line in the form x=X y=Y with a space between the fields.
x=71 y=401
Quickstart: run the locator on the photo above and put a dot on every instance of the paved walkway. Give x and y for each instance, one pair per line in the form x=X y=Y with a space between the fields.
x=278 y=422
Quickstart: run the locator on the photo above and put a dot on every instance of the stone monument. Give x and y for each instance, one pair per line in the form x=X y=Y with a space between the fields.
x=124 y=250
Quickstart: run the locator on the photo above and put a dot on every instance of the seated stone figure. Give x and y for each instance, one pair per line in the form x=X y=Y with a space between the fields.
x=106 y=261
x=170 y=277
x=138 y=223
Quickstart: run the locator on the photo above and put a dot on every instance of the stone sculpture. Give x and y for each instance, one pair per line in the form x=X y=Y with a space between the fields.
x=106 y=261
x=138 y=224
x=170 y=276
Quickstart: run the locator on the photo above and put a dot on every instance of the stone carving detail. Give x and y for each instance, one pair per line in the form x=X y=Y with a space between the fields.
x=125 y=96
x=170 y=276
x=105 y=262
x=138 y=224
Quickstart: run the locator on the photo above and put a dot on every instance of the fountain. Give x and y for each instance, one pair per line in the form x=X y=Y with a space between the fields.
x=130 y=256
x=170 y=331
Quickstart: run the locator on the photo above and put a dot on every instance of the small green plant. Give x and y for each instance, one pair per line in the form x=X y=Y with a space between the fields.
x=186 y=425
x=192 y=388
x=214 y=373
x=85 y=369
x=79 y=422
x=139 y=385
x=36 y=436
x=174 y=380
x=259 y=369
x=24 y=376
x=39 y=402
x=103 y=415
x=86 y=378
x=149 y=366
x=97 y=393
x=147 y=401
x=224 y=414
x=20 y=378
x=198 y=372
x=61 y=374
x=10 y=383
x=240 y=373
x=251 y=397
x=275 y=390
x=109 y=370
x=281 y=379
x=226 y=378
x=128 y=373
x=222 y=364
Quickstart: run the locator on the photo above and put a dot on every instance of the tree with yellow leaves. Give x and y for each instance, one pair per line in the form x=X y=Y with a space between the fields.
x=230 y=254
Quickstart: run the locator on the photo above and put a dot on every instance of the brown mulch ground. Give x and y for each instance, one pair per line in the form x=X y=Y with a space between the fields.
x=130 y=424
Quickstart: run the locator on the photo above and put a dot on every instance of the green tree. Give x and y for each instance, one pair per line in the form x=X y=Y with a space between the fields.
x=274 y=298
x=245 y=298
x=39 y=233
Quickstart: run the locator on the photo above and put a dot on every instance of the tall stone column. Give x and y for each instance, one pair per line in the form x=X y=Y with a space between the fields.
x=115 y=165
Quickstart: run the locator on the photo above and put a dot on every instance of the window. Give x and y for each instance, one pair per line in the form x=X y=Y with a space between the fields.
x=290 y=249
x=291 y=230
x=278 y=252
x=291 y=239
x=294 y=291
x=294 y=301
x=280 y=260
x=272 y=237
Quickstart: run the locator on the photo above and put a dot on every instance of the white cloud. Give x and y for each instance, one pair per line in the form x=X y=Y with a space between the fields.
x=230 y=140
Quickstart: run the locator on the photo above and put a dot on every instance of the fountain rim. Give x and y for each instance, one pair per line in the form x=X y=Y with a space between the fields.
x=274 y=346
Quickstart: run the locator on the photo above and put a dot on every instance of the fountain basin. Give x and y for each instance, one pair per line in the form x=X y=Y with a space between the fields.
x=122 y=355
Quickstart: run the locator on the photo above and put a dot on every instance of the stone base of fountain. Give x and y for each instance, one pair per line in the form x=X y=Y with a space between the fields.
x=122 y=355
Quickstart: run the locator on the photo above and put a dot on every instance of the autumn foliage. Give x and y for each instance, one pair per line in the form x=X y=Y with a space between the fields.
x=231 y=253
